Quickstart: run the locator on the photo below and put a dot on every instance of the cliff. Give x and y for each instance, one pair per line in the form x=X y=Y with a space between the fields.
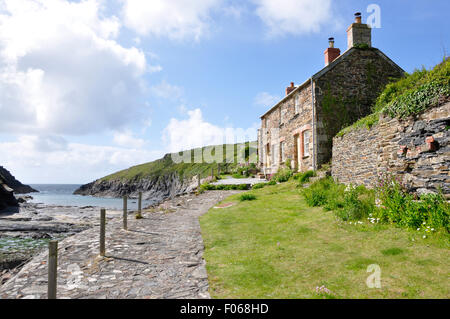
x=160 y=179
x=13 y=183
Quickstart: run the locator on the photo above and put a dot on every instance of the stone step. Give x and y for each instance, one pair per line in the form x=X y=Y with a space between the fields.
x=323 y=174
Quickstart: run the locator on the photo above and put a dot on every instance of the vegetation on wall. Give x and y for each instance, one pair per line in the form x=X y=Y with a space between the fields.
x=430 y=213
x=409 y=96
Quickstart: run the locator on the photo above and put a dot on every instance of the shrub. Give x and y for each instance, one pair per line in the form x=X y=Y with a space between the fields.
x=271 y=183
x=415 y=92
x=348 y=203
x=283 y=175
x=405 y=210
x=304 y=177
x=259 y=186
x=358 y=204
x=317 y=193
x=222 y=187
x=247 y=197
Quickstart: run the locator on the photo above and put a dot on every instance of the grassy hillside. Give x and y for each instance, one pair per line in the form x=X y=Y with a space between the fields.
x=165 y=166
x=410 y=95
x=275 y=246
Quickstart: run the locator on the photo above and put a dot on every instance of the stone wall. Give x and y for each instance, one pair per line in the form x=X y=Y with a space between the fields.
x=417 y=151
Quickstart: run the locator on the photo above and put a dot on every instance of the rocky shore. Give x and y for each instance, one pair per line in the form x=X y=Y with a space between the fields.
x=25 y=230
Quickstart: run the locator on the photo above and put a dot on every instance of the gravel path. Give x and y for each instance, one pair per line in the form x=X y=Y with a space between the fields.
x=159 y=257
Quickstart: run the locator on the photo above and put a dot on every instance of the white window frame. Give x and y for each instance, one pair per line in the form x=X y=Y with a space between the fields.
x=306 y=142
x=297 y=105
x=282 y=151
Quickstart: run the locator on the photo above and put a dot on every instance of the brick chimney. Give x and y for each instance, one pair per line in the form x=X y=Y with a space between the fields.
x=289 y=89
x=359 y=33
x=331 y=53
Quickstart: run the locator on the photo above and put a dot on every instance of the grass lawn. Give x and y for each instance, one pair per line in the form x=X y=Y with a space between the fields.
x=278 y=247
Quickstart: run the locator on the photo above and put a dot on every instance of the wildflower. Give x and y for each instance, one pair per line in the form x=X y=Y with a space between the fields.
x=424 y=237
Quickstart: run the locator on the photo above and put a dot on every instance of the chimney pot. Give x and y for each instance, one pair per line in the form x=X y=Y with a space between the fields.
x=291 y=88
x=358 y=18
x=331 y=42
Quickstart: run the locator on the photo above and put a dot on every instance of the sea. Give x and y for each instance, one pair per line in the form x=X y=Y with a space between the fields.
x=62 y=195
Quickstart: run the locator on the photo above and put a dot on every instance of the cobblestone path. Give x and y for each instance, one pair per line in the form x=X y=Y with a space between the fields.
x=160 y=256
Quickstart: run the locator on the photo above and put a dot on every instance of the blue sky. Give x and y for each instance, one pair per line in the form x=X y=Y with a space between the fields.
x=91 y=87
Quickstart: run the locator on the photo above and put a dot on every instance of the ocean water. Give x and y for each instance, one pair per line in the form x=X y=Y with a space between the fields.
x=62 y=195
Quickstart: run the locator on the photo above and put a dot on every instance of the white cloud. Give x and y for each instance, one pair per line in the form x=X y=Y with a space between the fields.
x=128 y=140
x=62 y=70
x=167 y=91
x=73 y=163
x=195 y=132
x=266 y=100
x=176 y=19
x=295 y=16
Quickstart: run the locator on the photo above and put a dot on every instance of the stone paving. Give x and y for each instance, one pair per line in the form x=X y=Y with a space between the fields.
x=239 y=181
x=160 y=256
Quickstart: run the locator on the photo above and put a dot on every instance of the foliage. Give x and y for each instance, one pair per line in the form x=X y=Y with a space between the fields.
x=259 y=185
x=247 y=197
x=222 y=187
x=349 y=203
x=271 y=183
x=366 y=122
x=304 y=177
x=283 y=175
x=410 y=95
x=405 y=210
x=352 y=203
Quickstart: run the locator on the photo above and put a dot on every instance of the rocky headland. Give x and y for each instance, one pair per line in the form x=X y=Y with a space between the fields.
x=9 y=186
x=156 y=188
x=13 y=183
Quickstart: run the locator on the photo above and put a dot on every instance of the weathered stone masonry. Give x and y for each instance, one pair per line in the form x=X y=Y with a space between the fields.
x=417 y=151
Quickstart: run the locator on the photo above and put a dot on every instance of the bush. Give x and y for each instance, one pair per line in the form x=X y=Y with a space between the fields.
x=210 y=187
x=415 y=92
x=405 y=210
x=317 y=194
x=358 y=204
x=283 y=175
x=247 y=197
x=259 y=186
x=304 y=177
x=271 y=183
x=348 y=203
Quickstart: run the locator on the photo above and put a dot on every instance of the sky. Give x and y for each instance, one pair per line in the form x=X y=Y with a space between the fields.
x=91 y=87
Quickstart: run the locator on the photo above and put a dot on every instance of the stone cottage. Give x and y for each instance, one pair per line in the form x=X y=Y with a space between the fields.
x=299 y=129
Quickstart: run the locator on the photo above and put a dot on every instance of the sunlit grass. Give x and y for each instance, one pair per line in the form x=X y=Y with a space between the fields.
x=277 y=247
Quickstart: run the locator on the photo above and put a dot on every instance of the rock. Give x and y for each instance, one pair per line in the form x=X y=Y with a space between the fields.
x=13 y=183
x=156 y=189
x=7 y=196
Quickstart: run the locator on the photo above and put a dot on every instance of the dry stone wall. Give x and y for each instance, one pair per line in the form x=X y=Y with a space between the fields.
x=416 y=150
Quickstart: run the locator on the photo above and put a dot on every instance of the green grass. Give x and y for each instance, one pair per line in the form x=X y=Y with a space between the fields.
x=278 y=247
